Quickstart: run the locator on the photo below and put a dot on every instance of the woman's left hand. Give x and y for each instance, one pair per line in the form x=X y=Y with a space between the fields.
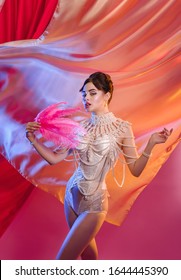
x=160 y=137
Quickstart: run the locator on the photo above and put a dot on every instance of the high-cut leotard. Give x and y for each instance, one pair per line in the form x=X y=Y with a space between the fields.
x=96 y=154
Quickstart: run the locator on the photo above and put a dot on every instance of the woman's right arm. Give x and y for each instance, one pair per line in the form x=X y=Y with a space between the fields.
x=50 y=156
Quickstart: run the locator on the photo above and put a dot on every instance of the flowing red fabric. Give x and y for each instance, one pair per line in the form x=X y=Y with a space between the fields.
x=14 y=192
x=21 y=19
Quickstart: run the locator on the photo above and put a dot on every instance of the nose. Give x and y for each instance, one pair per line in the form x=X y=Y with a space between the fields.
x=87 y=96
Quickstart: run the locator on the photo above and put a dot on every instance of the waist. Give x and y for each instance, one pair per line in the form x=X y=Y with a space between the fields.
x=86 y=187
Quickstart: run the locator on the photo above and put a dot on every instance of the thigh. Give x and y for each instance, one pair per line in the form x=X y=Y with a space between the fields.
x=90 y=252
x=83 y=230
x=70 y=215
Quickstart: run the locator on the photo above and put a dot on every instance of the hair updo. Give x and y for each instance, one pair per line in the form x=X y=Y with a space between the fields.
x=102 y=82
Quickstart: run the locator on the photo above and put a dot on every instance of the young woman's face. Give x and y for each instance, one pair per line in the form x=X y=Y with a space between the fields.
x=94 y=100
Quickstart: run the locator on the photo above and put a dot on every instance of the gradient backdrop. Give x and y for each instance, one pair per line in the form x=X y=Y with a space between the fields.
x=138 y=44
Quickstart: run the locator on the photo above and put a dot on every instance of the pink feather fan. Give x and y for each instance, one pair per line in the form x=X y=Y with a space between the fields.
x=57 y=127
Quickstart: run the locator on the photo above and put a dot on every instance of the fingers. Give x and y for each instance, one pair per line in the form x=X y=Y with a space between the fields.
x=171 y=130
x=165 y=133
x=32 y=126
x=168 y=132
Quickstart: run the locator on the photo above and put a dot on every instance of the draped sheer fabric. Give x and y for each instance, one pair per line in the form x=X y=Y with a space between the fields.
x=137 y=43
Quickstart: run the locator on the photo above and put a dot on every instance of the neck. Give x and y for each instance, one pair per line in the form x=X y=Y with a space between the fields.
x=100 y=112
x=102 y=118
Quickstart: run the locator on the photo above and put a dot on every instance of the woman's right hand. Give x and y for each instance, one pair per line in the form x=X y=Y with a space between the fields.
x=31 y=127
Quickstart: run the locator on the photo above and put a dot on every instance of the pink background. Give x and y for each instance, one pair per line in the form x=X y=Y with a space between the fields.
x=152 y=229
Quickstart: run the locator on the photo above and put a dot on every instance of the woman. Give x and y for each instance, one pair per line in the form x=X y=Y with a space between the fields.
x=86 y=198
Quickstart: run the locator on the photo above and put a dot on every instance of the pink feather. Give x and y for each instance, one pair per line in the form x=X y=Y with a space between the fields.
x=57 y=127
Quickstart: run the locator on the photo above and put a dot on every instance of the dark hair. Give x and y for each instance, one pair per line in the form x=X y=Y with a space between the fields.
x=101 y=81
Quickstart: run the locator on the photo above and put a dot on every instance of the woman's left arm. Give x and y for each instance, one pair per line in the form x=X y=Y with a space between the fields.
x=137 y=163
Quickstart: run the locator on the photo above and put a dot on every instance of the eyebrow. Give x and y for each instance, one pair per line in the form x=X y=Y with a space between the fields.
x=92 y=89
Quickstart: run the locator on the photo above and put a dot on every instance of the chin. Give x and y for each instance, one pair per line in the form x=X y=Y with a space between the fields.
x=89 y=109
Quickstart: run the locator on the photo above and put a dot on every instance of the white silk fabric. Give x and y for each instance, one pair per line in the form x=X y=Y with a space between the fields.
x=137 y=43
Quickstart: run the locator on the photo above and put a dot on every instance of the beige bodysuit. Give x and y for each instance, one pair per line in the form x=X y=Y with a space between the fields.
x=96 y=154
